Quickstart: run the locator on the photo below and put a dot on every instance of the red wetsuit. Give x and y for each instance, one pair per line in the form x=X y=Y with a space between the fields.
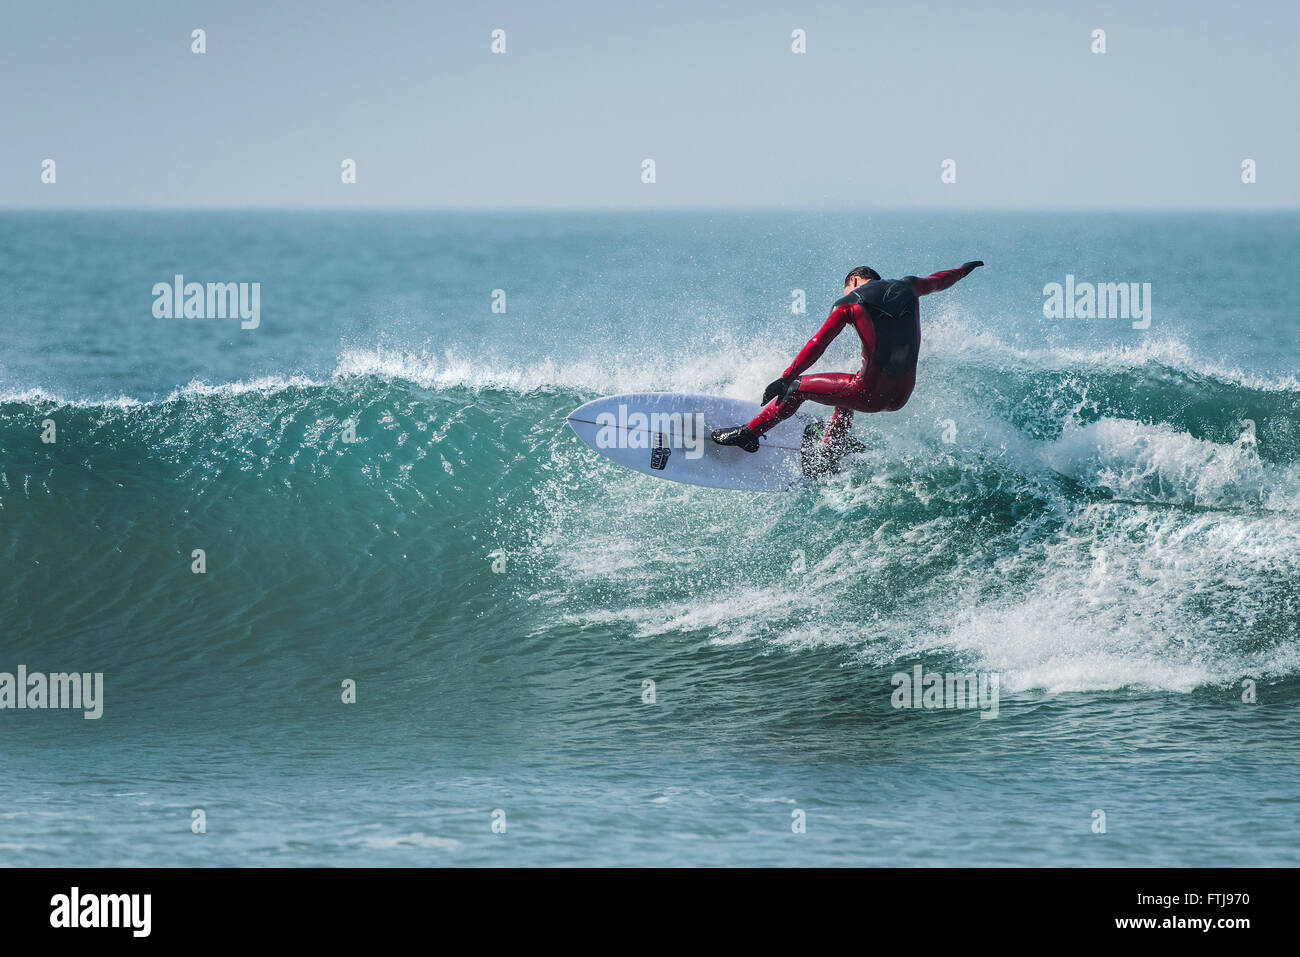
x=871 y=389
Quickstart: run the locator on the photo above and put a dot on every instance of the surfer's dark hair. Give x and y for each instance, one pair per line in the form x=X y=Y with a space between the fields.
x=865 y=273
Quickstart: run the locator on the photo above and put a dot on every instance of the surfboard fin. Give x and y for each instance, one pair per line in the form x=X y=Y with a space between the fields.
x=819 y=460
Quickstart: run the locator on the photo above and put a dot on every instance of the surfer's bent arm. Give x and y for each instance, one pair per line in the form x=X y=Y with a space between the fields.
x=943 y=279
x=810 y=353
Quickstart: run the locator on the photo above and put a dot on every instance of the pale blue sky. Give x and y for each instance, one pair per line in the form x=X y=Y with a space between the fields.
x=710 y=91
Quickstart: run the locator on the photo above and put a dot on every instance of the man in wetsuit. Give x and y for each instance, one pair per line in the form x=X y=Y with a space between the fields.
x=887 y=318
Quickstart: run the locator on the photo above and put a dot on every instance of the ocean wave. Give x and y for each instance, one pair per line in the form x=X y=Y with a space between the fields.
x=1058 y=540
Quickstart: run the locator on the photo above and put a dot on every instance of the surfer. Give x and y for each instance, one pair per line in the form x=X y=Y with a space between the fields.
x=887 y=318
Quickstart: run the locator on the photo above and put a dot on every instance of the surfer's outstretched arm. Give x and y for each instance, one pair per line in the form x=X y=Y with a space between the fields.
x=944 y=278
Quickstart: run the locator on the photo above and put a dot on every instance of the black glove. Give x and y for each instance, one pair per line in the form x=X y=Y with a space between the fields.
x=968 y=268
x=776 y=390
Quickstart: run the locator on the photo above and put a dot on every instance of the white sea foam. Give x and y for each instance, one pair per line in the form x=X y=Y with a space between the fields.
x=1154 y=462
x=737 y=372
x=1141 y=598
x=949 y=336
x=1077 y=597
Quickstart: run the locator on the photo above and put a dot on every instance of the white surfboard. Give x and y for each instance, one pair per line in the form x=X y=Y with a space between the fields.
x=666 y=434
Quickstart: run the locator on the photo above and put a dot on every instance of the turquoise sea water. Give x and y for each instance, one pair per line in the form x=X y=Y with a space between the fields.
x=1106 y=518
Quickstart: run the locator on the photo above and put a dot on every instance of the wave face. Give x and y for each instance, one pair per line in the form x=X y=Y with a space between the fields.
x=1136 y=525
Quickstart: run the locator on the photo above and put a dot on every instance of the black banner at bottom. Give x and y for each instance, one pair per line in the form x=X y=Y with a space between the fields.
x=910 y=907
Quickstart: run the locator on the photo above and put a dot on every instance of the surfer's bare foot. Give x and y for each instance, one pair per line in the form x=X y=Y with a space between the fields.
x=737 y=435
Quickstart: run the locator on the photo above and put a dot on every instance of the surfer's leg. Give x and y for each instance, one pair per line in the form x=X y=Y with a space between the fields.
x=876 y=392
x=775 y=412
x=838 y=430
x=825 y=387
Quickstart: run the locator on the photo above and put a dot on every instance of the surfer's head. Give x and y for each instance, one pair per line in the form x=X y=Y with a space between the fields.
x=856 y=277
